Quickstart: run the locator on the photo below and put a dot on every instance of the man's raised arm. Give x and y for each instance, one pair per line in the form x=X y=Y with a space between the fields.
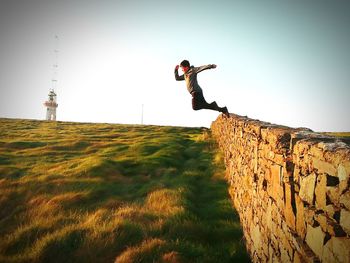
x=176 y=72
x=201 y=68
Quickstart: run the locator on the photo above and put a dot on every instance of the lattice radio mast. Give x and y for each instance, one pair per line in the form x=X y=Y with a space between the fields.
x=51 y=103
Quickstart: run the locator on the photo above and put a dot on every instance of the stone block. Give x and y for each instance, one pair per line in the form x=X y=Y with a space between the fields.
x=298 y=244
x=303 y=252
x=329 y=225
x=345 y=220
x=307 y=188
x=305 y=170
x=277 y=137
x=337 y=249
x=344 y=186
x=288 y=248
x=343 y=172
x=300 y=218
x=270 y=155
x=320 y=191
x=276 y=158
x=331 y=145
x=301 y=147
x=322 y=220
x=256 y=236
x=324 y=167
x=316 y=151
x=284 y=255
x=297 y=258
x=331 y=210
x=274 y=241
x=314 y=239
x=333 y=195
x=268 y=222
x=265 y=248
x=275 y=189
x=345 y=199
x=310 y=214
x=289 y=210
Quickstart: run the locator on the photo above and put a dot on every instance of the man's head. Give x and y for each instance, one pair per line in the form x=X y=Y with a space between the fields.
x=185 y=65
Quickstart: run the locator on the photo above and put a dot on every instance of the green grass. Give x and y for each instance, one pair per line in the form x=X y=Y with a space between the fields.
x=339 y=134
x=77 y=192
x=342 y=136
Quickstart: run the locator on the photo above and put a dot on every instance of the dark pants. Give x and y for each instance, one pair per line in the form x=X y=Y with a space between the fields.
x=199 y=102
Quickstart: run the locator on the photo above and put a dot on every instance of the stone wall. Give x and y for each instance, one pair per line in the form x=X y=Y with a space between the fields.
x=290 y=188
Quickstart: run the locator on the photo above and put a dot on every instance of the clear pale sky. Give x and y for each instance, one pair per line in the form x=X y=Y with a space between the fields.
x=285 y=62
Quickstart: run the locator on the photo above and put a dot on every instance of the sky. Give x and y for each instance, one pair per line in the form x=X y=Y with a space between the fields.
x=280 y=61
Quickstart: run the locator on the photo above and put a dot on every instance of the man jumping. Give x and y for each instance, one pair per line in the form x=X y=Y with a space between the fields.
x=190 y=76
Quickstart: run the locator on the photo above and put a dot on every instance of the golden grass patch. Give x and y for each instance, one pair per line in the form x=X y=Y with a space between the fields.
x=165 y=202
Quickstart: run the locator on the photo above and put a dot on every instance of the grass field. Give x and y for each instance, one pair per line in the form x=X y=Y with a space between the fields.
x=75 y=192
x=339 y=134
x=342 y=136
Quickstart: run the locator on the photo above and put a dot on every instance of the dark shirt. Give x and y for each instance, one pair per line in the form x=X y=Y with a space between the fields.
x=191 y=77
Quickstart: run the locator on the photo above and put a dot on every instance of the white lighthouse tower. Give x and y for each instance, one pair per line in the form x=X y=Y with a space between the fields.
x=51 y=105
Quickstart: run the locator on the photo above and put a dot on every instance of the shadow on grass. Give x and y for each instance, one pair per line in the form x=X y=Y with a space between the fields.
x=210 y=223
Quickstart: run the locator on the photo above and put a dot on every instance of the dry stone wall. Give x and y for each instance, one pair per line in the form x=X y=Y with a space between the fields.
x=290 y=188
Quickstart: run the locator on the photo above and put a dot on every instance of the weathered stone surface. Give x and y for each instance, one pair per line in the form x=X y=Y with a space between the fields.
x=275 y=188
x=310 y=215
x=345 y=220
x=322 y=220
x=337 y=249
x=316 y=151
x=315 y=238
x=343 y=186
x=297 y=258
x=345 y=200
x=284 y=255
x=268 y=217
x=307 y=188
x=289 y=210
x=332 y=146
x=324 y=167
x=333 y=194
x=291 y=189
x=256 y=236
x=342 y=173
x=296 y=177
x=329 y=226
x=320 y=191
x=276 y=136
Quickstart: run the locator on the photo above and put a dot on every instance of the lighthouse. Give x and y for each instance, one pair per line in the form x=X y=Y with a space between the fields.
x=51 y=105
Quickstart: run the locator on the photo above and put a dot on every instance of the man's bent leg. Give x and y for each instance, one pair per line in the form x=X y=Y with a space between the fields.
x=214 y=106
x=199 y=102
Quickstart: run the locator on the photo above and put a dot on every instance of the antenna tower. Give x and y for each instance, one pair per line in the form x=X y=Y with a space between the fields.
x=55 y=64
x=51 y=103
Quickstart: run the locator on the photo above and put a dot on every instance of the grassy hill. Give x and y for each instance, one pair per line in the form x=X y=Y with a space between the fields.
x=77 y=192
x=343 y=136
